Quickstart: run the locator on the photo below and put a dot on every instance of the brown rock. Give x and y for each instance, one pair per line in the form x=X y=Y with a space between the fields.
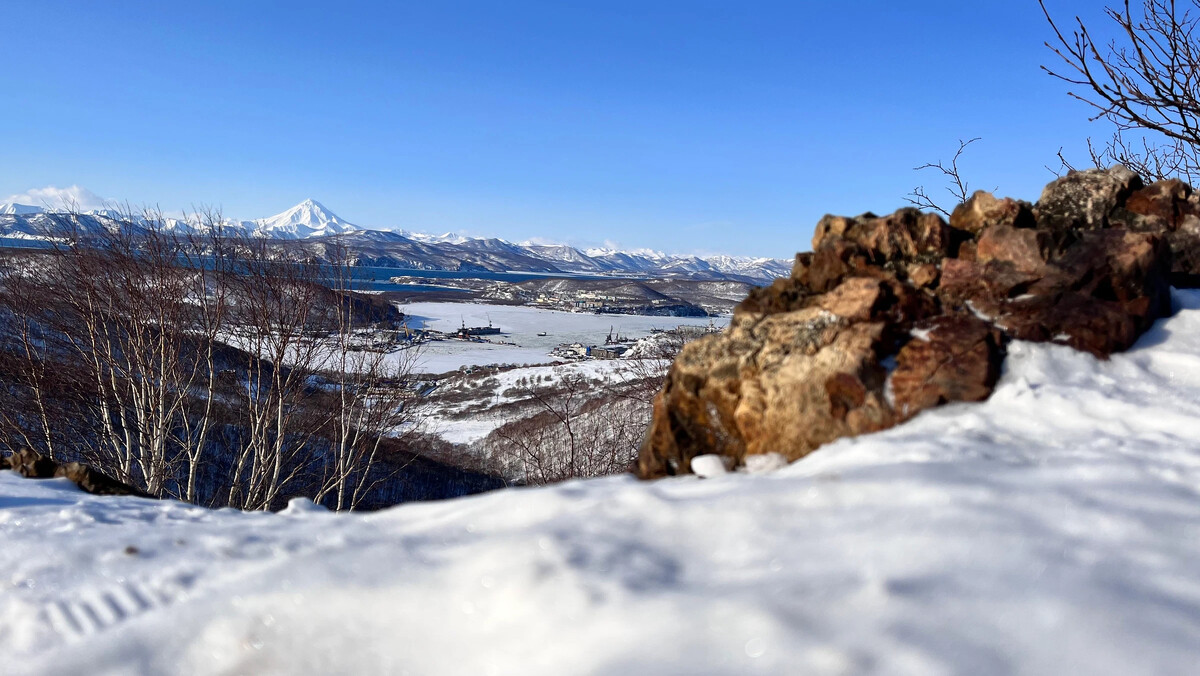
x=980 y=287
x=1171 y=209
x=854 y=299
x=904 y=235
x=33 y=465
x=1027 y=249
x=983 y=210
x=833 y=227
x=783 y=295
x=834 y=261
x=1115 y=265
x=1161 y=206
x=923 y=275
x=967 y=250
x=91 y=481
x=1185 y=254
x=783 y=383
x=1075 y=319
x=800 y=267
x=30 y=464
x=950 y=358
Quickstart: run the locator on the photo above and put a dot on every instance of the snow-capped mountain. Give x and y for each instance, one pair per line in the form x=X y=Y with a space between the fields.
x=307 y=219
x=316 y=225
x=14 y=209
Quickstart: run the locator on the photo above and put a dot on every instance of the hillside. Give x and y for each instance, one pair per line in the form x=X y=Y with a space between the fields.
x=1051 y=529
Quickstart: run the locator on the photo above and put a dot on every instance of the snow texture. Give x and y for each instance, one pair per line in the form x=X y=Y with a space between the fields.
x=1054 y=529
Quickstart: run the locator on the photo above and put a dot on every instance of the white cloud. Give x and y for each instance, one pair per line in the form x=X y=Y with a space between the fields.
x=51 y=197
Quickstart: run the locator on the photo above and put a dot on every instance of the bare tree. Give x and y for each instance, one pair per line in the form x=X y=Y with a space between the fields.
x=576 y=429
x=1146 y=82
x=374 y=400
x=583 y=427
x=196 y=363
x=957 y=187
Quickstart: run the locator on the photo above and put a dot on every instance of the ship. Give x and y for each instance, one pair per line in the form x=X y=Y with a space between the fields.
x=472 y=331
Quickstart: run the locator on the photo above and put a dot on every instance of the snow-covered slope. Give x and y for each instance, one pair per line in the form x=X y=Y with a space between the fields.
x=1054 y=529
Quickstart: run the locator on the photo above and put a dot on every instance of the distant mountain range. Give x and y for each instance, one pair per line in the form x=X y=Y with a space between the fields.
x=315 y=225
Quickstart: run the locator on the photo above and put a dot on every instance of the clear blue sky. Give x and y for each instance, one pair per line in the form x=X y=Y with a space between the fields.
x=685 y=126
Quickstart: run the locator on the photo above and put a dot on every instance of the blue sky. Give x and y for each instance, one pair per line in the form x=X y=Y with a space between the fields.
x=694 y=126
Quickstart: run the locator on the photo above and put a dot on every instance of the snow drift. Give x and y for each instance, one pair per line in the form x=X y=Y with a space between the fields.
x=1053 y=529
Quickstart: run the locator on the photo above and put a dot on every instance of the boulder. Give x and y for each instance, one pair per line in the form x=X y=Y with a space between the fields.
x=951 y=358
x=1082 y=200
x=784 y=383
x=1170 y=209
x=891 y=315
x=33 y=465
x=1027 y=249
x=983 y=210
x=91 y=481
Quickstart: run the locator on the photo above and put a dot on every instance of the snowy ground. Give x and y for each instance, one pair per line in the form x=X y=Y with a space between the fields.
x=1054 y=529
x=521 y=325
x=464 y=422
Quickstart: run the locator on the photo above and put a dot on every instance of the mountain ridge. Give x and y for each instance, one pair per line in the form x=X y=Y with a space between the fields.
x=312 y=223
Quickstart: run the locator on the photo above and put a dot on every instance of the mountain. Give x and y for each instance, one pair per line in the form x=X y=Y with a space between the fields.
x=14 y=209
x=307 y=219
x=318 y=227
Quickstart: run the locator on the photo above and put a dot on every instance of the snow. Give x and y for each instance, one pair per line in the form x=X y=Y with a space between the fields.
x=505 y=387
x=520 y=325
x=1054 y=529
x=709 y=466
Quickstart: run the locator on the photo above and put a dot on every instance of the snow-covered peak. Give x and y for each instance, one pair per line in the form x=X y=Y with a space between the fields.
x=14 y=209
x=307 y=219
x=444 y=238
x=651 y=254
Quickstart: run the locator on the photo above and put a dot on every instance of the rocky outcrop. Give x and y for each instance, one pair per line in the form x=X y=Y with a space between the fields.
x=32 y=465
x=889 y=316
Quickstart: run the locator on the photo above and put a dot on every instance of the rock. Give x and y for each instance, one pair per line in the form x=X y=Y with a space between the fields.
x=1185 y=254
x=800 y=267
x=981 y=288
x=906 y=234
x=982 y=210
x=1158 y=207
x=951 y=358
x=1172 y=210
x=30 y=464
x=33 y=465
x=891 y=315
x=91 y=481
x=783 y=383
x=1082 y=200
x=1027 y=249
x=853 y=299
